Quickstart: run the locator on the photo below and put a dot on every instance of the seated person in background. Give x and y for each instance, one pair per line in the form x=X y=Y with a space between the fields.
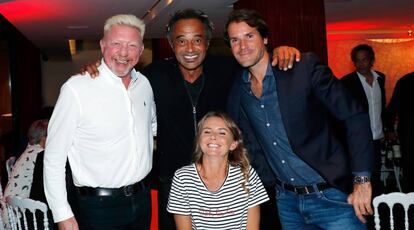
x=220 y=190
x=20 y=182
x=21 y=178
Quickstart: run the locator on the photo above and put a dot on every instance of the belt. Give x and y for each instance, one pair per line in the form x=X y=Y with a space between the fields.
x=122 y=191
x=303 y=190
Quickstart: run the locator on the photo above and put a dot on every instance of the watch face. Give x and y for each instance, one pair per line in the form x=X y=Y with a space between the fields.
x=361 y=179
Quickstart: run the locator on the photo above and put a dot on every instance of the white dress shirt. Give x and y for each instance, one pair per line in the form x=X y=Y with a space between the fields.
x=105 y=130
x=373 y=94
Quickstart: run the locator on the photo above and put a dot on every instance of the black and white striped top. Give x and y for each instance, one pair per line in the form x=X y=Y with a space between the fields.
x=223 y=209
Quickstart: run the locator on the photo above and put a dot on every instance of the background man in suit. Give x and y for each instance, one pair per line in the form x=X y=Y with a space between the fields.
x=367 y=86
x=284 y=117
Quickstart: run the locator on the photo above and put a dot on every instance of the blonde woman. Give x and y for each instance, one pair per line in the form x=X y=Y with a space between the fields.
x=220 y=190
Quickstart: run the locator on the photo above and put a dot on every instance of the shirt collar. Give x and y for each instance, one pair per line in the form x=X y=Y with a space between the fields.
x=374 y=74
x=103 y=68
x=269 y=72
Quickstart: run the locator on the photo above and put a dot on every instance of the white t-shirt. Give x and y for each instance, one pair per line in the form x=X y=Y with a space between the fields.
x=223 y=209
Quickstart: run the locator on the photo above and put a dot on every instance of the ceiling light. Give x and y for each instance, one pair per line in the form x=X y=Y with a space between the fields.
x=77 y=27
x=391 y=40
x=72 y=46
x=155 y=10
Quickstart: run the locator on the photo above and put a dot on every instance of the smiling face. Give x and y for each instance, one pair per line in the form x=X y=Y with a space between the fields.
x=247 y=45
x=189 y=44
x=215 y=138
x=121 y=48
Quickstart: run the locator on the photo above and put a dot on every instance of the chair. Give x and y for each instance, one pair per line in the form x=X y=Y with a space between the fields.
x=9 y=165
x=391 y=154
x=17 y=207
x=405 y=199
x=2 y=207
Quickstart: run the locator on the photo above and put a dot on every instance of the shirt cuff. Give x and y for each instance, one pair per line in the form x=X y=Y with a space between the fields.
x=363 y=173
x=62 y=214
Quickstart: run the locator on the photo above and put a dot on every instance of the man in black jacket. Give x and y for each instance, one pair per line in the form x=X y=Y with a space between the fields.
x=367 y=85
x=284 y=117
x=401 y=107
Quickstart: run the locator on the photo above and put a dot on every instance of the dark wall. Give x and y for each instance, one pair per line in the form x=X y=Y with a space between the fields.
x=22 y=60
x=295 y=23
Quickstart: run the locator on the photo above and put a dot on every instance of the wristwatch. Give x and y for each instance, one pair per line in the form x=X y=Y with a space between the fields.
x=361 y=179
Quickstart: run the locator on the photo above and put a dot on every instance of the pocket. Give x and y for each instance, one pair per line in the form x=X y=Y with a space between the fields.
x=335 y=196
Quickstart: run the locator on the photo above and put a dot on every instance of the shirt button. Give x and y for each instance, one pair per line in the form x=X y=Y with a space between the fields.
x=267 y=124
x=262 y=106
x=283 y=161
x=274 y=143
x=292 y=179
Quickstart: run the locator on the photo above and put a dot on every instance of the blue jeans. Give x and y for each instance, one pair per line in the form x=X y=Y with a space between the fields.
x=319 y=210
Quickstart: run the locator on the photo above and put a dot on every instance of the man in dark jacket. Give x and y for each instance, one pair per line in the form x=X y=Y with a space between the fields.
x=367 y=85
x=284 y=117
x=401 y=107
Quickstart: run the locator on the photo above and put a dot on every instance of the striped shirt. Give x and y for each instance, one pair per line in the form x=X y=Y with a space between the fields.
x=223 y=209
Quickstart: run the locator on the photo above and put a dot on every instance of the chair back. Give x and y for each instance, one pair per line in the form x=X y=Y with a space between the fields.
x=9 y=165
x=17 y=207
x=3 y=207
x=405 y=199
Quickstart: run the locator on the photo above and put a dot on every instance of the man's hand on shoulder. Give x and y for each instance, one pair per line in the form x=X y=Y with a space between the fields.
x=360 y=198
x=91 y=68
x=284 y=56
x=68 y=224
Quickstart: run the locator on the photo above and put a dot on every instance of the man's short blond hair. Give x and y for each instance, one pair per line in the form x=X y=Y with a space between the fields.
x=127 y=20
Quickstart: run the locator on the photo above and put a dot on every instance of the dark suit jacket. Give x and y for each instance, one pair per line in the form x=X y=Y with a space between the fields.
x=401 y=106
x=352 y=82
x=309 y=95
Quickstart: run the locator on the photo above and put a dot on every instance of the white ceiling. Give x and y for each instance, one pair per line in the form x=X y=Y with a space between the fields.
x=49 y=23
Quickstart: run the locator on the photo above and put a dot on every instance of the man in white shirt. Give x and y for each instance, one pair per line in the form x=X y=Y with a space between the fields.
x=367 y=86
x=105 y=128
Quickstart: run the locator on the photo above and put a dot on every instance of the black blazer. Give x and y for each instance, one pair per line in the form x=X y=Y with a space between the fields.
x=309 y=95
x=352 y=83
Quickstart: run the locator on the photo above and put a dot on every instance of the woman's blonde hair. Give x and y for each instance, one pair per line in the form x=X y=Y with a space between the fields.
x=236 y=157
